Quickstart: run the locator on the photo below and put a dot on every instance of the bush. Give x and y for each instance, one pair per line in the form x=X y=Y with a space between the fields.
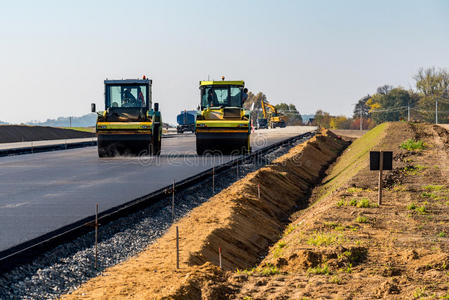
x=319 y=270
x=362 y=219
x=412 y=145
x=432 y=187
x=364 y=202
x=324 y=239
x=353 y=202
x=422 y=209
x=269 y=270
x=411 y=206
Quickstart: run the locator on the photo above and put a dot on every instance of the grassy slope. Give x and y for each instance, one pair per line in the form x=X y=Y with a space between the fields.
x=354 y=159
x=83 y=129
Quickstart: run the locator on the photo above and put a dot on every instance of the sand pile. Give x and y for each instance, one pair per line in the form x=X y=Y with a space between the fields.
x=235 y=220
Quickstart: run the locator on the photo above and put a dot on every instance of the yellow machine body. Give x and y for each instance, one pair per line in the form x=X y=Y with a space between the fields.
x=222 y=125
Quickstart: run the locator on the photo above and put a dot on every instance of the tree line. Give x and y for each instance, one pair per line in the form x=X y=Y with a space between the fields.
x=391 y=103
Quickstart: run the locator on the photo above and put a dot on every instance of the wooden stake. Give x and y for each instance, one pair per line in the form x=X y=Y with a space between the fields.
x=173 y=202
x=96 y=236
x=258 y=190
x=213 y=180
x=219 y=257
x=177 y=248
x=381 y=166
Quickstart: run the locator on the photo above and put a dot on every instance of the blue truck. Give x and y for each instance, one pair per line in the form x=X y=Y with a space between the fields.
x=186 y=121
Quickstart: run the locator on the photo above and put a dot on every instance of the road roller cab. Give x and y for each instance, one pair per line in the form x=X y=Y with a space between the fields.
x=222 y=125
x=128 y=124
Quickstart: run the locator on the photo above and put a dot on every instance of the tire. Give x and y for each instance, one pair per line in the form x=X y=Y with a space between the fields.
x=102 y=152
x=104 y=149
x=199 y=148
x=156 y=141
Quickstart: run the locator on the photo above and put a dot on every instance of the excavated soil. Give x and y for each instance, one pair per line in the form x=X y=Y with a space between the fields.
x=23 y=133
x=344 y=246
x=236 y=221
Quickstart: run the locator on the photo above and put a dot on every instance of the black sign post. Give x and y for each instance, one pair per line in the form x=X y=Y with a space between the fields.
x=380 y=160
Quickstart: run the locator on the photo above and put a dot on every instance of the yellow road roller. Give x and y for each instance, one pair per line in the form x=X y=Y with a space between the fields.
x=222 y=125
x=129 y=124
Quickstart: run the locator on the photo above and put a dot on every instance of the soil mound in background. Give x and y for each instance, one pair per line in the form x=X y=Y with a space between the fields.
x=235 y=220
x=23 y=133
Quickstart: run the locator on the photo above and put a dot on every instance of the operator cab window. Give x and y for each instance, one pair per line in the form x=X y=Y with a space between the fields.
x=236 y=96
x=119 y=96
x=221 y=96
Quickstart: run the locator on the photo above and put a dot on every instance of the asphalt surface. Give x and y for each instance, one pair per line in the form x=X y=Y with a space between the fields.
x=44 y=191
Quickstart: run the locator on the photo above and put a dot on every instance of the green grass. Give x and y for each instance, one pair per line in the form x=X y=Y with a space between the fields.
x=84 y=129
x=411 y=206
x=429 y=195
x=355 y=158
x=361 y=203
x=289 y=229
x=353 y=202
x=346 y=254
x=282 y=244
x=269 y=270
x=412 y=145
x=348 y=268
x=364 y=202
x=265 y=270
x=414 y=170
x=323 y=270
x=277 y=250
x=442 y=234
x=353 y=190
x=433 y=188
x=362 y=219
x=419 y=292
x=335 y=279
x=331 y=224
x=422 y=209
x=340 y=228
x=324 y=239
x=399 y=188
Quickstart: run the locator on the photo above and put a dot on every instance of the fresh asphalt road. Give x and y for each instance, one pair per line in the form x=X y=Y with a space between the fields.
x=44 y=191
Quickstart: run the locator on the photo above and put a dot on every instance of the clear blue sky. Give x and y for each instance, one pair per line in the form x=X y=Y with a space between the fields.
x=54 y=55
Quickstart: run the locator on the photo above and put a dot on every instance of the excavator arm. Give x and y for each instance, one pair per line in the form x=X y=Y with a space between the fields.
x=273 y=109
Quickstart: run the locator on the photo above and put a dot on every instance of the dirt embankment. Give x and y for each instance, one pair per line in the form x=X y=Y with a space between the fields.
x=235 y=220
x=345 y=246
x=23 y=133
